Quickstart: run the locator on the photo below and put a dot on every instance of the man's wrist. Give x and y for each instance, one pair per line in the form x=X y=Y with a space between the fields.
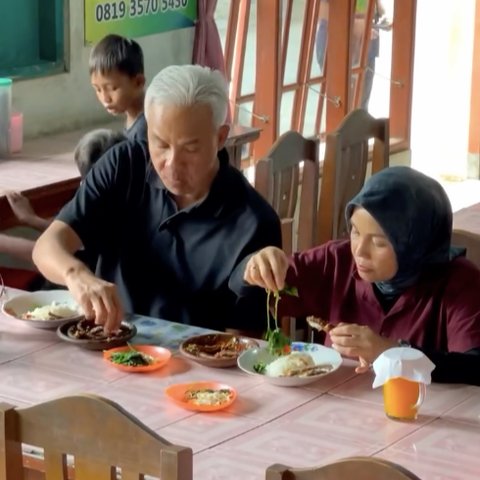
x=74 y=271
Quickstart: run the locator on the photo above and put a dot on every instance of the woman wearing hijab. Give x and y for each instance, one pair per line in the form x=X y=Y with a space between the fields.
x=396 y=281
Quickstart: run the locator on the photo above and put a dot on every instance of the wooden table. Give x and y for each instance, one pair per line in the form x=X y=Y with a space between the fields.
x=338 y=416
x=45 y=171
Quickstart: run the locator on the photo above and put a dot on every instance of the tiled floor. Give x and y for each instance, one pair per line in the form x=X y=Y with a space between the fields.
x=462 y=193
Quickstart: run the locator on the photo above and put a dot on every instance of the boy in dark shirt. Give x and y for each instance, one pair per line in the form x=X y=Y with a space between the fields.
x=117 y=75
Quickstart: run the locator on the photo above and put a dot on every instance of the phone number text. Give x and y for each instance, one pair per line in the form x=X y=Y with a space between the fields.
x=117 y=10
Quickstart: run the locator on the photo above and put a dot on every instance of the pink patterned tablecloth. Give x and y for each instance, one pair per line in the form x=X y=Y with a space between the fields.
x=338 y=416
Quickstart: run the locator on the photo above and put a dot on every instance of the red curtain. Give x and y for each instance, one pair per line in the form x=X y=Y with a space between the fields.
x=207 y=47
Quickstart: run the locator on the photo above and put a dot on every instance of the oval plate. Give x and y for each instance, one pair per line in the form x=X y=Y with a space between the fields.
x=211 y=339
x=177 y=394
x=21 y=304
x=160 y=354
x=92 y=344
x=321 y=355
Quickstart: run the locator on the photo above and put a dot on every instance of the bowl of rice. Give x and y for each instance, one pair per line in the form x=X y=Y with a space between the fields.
x=43 y=309
x=305 y=364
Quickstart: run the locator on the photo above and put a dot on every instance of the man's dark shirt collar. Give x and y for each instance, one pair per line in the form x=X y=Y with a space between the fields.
x=214 y=200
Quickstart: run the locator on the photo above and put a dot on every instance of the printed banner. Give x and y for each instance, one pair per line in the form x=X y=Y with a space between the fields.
x=136 y=18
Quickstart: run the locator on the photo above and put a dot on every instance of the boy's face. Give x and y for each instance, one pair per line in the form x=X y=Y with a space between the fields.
x=116 y=91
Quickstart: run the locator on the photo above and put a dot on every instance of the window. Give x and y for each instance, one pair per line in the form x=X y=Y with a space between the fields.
x=292 y=91
x=31 y=38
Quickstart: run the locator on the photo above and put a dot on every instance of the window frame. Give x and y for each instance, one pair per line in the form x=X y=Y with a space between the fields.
x=57 y=27
x=333 y=83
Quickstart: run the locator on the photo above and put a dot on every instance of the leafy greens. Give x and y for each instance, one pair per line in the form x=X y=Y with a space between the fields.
x=278 y=342
x=132 y=358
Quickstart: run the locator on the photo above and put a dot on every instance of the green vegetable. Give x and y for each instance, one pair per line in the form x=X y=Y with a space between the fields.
x=260 y=367
x=132 y=358
x=292 y=291
x=277 y=341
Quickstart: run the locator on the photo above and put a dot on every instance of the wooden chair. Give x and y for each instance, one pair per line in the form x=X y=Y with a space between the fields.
x=469 y=240
x=345 y=168
x=100 y=435
x=288 y=178
x=278 y=177
x=354 y=468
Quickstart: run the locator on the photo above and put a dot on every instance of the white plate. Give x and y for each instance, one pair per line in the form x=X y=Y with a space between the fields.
x=20 y=304
x=321 y=355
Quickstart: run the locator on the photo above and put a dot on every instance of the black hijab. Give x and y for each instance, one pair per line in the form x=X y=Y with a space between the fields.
x=416 y=216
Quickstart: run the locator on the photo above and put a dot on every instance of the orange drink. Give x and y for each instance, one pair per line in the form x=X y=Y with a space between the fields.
x=402 y=398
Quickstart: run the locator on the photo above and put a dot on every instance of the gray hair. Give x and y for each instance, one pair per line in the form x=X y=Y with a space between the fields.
x=188 y=85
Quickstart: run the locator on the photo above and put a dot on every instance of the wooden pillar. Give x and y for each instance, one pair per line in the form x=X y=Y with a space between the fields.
x=338 y=93
x=235 y=48
x=403 y=47
x=266 y=105
x=473 y=169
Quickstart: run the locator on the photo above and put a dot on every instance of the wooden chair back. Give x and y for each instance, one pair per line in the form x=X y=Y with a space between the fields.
x=469 y=240
x=100 y=435
x=354 y=468
x=280 y=178
x=345 y=168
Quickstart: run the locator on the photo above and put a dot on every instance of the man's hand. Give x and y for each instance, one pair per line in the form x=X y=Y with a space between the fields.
x=99 y=299
x=352 y=340
x=267 y=269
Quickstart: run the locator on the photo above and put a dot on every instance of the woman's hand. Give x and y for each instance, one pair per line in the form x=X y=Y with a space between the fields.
x=267 y=269
x=352 y=340
x=99 y=299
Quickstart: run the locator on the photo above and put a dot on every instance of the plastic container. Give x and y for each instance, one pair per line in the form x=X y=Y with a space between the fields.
x=16 y=132
x=5 y=114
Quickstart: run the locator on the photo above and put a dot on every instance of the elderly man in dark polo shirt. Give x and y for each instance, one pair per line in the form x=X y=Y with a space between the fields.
x=169 y=221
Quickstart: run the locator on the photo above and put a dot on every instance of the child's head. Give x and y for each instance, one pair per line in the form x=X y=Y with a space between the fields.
x=93 y=145
x=116 y=73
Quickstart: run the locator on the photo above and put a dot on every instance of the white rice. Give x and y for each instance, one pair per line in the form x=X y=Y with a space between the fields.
x=63 y=310
x=285 y=364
